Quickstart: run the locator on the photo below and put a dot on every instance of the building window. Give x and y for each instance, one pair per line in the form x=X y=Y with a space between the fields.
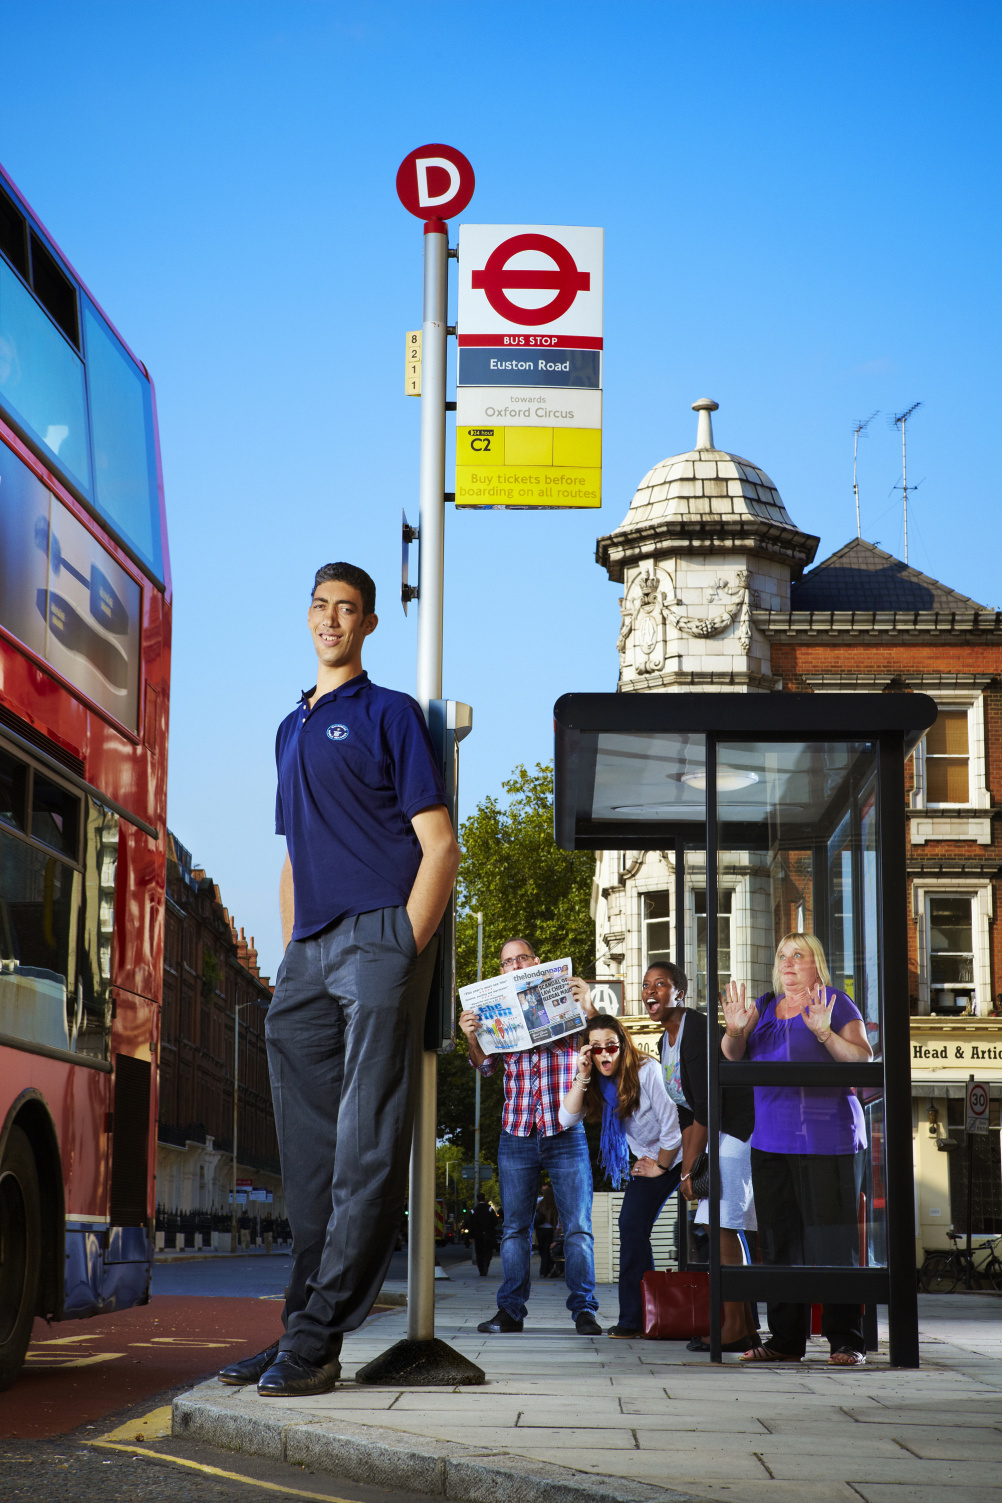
x=947 y=758
x=950 y=928
x=725 y=902
x=657 y=927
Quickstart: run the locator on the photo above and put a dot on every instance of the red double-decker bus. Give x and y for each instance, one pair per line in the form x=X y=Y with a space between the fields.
x=84 y=678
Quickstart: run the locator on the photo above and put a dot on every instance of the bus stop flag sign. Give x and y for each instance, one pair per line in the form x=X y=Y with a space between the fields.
x=529 y=386
x=977 y=1107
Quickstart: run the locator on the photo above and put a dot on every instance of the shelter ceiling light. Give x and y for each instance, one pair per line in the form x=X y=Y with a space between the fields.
x=728 y=781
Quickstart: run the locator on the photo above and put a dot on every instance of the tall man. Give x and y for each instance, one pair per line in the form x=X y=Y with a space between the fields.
x=371 y=862
x=535 y=1083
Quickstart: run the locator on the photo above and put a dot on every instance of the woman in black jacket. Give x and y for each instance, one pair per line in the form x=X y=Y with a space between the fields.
x=682 y=1048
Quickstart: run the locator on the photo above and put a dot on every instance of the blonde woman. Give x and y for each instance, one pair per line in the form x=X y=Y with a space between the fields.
x=809 y=1142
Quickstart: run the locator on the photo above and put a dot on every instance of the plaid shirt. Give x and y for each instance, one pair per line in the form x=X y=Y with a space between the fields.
x=535 y=1083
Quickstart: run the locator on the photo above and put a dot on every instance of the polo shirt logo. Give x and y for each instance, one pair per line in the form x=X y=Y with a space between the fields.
x=337 y=732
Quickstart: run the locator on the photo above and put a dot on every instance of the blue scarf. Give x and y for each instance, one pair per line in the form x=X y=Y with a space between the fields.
x=613 y=1154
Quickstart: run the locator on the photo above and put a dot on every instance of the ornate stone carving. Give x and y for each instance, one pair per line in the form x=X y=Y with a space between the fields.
x=740 y=598
x=644 y=620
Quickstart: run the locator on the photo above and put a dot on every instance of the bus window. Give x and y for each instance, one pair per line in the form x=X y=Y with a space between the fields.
x=55 y=815
x=37 y=902
x=42 y=380
x=57 y=913
x=13 y=782
x=125 y=472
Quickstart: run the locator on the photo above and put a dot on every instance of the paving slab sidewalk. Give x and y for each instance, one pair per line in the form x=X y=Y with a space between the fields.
x=574 y=1419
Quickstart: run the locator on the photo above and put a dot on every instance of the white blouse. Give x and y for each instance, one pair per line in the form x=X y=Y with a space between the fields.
x=653 y=1124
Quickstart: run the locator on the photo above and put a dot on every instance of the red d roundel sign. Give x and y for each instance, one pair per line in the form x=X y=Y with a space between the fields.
x=435 y=182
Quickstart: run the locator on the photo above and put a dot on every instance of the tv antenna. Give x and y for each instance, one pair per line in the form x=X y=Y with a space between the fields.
x=860 y=427
x=901 y=421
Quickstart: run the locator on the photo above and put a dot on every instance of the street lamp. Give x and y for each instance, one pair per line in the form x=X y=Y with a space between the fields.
x=234 y=1228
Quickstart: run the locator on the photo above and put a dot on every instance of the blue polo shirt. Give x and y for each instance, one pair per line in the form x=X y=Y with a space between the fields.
x=352 y=774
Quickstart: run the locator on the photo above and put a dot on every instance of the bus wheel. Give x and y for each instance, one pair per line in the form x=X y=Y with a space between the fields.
x=20 y=1252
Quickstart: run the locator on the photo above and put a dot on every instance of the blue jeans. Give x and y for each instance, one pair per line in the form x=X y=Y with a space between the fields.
x=565 y=1159
x=641 y=1207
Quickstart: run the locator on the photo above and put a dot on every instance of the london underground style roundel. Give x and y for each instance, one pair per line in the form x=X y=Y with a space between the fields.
x=435 y=182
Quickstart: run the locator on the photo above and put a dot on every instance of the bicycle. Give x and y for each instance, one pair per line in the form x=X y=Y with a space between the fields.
x=943 y=1270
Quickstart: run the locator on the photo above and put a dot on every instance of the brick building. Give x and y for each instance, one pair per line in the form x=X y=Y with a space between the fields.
x=719 y=595
x=210 y=971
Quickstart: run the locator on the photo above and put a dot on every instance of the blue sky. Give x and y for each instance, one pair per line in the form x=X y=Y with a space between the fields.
x=801 y=205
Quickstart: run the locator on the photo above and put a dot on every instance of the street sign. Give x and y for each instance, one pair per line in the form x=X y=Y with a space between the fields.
x=529 y=388
x=435 y=182
x=469 y=1171
x=977 y=1107
x=412 y=363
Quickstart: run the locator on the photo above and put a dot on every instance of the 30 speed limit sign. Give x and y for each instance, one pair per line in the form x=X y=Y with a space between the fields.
x=977 y=1107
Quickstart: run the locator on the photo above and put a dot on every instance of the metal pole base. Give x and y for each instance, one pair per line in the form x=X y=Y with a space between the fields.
x=421 y=1364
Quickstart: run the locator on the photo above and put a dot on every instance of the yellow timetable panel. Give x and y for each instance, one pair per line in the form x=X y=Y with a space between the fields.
x=552 y=467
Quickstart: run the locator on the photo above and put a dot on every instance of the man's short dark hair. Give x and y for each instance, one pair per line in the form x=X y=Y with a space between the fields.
x=518 y=939
x=349 y=574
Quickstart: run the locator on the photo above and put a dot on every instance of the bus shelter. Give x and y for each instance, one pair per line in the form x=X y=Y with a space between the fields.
x=793 y=806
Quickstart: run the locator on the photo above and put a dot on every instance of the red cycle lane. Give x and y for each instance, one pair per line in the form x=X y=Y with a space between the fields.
x=78 y=1372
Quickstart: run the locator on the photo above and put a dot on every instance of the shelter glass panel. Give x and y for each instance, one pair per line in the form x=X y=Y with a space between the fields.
x=799 y=820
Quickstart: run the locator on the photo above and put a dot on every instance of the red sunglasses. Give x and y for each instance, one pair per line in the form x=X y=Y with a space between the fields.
x=605 y=1048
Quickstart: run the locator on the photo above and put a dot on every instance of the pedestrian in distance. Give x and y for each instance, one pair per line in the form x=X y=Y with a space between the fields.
x=371 y=862
x=532 y=1139
x=682 y=1049
x=625 y=1091
x=545 y=1224
x=485 y=1226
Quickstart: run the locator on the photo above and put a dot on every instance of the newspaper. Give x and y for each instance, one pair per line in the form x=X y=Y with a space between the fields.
x=524 y=1009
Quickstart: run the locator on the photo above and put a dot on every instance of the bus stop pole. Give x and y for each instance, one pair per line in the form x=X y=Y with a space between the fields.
x=421 y=1359
x=421 y=1227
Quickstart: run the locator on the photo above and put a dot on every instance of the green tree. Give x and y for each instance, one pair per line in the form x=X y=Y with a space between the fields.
x=514 y=873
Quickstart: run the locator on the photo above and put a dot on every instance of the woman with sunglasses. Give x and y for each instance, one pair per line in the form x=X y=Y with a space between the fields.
x=625 y=1091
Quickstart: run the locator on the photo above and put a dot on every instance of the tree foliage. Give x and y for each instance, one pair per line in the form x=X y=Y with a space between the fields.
x=514 y=873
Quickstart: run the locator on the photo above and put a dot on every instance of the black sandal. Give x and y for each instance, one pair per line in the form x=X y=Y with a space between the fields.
x=742 y=1345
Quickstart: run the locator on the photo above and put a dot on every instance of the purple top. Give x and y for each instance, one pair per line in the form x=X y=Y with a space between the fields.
x=803 y=1119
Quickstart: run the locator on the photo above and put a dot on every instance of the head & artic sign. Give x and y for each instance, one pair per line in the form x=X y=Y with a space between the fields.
x=529 y=386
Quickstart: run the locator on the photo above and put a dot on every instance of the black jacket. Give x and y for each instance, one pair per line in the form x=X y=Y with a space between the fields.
x=737 y=1103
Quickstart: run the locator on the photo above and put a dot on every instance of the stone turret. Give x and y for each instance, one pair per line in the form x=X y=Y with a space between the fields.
x=706 y=541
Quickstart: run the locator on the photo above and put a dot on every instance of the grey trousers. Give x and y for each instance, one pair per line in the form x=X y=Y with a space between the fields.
x=345 y=1032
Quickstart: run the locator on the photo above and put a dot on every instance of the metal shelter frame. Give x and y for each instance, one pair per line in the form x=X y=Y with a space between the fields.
x=892 y=724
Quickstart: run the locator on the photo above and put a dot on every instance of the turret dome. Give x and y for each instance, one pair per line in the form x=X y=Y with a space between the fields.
x=705 y=482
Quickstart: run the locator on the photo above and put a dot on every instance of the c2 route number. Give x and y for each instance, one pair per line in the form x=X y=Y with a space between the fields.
x=481 y=442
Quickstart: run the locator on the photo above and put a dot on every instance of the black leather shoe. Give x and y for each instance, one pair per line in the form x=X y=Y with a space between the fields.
x=500 y=1323
x=291 y=1376
x=586 y=1324
x=251 y=1368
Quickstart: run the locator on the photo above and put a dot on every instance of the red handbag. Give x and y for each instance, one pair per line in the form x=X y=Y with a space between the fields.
x=676 y=1305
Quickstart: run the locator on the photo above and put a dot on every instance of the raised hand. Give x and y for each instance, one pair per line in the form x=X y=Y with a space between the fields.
x=584 y=1061
x=739 y=1014
x=817 y=1013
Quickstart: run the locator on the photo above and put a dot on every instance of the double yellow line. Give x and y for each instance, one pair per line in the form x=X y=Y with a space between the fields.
x=157 y=1426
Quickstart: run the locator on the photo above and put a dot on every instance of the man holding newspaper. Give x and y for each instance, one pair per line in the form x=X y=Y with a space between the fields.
x=529 y=1016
